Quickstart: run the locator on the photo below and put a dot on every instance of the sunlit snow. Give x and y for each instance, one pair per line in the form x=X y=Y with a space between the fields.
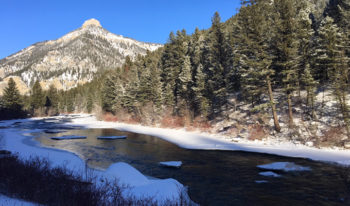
x=284 y=166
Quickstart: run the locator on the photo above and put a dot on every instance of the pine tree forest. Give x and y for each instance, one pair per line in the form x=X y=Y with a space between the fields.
x=276 y=66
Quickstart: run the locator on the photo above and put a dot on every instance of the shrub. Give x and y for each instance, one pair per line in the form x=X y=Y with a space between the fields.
x=36 y=181
x=202 y=124
x=332 y=136
x=109 y=117
x=172 y=122
x=257 y=132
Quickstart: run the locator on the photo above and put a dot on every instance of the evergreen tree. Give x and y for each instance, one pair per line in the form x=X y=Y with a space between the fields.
x=214 y=61
x=130 y=82
x=171 y=64
x=304 y=36
x=70 y=101
x=108 y=93
x=52 y=97
x=200 y=100
x=37 y=96
x=310 y=85
x=185 y=81
x=12 y=99
x=89 y=103
x=195 y=49
x=150 y=87
x=168 y=75
x=331 y=55
x=61 y=101
x=286 y=47
x=2 y=105
x=344 y=10
x=255 y=52
x=48 y=102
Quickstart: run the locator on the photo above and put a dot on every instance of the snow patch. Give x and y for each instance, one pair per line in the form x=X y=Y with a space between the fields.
x=284 y=166
x=269 y=174
x=126 y=174
x=140 y=186
x=176 y=164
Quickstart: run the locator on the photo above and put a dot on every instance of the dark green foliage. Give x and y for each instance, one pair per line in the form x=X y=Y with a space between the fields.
x=11 y=103
x=48 y=102
x=52 y=99
x=108 y=93
x=200 y=101
x=12 y=98
x=254 y=52
x=89 y=104
x=268 y=47
x=69 y=102
x=310 y=84
x=37 y=96
x=332 y=58
x=286 y=46
x=171 y=65
x=215 y=59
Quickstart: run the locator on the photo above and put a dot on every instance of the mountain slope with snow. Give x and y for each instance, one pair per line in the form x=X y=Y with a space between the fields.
x=72 y=59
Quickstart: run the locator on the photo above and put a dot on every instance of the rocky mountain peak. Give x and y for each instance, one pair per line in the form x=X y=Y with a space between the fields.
x=91 y=22
x=71 y=60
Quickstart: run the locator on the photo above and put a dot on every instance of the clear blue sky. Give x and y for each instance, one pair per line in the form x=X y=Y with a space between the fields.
x=29 y=21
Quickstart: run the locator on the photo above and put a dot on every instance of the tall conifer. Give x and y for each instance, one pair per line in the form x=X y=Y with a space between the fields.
x=12 y=97
x=255 y=53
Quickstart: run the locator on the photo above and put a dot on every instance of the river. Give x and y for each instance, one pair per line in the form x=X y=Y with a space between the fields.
x=213 y=177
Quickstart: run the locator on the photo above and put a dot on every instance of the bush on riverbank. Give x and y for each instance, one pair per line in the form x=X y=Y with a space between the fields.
x=36 y=181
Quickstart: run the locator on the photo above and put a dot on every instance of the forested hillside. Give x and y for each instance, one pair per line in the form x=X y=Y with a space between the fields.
x=276 y=69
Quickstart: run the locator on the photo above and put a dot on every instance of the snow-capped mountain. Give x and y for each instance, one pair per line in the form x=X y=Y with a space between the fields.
x=72 y=59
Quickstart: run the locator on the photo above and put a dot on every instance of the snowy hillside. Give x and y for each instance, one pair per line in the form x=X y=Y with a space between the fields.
x=73 y=58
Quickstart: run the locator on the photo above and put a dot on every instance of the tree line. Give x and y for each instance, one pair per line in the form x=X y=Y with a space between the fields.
x=267 y=47
x=45 y=103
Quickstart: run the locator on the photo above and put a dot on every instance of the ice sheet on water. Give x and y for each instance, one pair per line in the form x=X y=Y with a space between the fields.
x=269 y=174
x=284 y=166
x=68 y=137
x=176 y=164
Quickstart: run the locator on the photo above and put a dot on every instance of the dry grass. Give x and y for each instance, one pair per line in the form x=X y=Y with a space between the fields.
x=36 y=181
x=257 y=132
x=108 y=117
x=172 y=122
x=332 y=137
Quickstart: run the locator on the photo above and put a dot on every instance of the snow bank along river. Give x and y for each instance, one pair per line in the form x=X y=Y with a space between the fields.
x=213 y=177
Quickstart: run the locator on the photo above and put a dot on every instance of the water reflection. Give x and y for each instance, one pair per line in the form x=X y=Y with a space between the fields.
x=213 y=177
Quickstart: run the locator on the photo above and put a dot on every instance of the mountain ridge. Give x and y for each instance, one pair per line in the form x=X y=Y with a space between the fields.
x=73 y=58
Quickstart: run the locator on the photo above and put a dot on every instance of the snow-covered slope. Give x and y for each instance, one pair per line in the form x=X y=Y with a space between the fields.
x=73 y=58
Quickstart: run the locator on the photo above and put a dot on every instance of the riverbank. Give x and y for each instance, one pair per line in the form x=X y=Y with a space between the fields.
x=18 y=141
x=205 y=141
